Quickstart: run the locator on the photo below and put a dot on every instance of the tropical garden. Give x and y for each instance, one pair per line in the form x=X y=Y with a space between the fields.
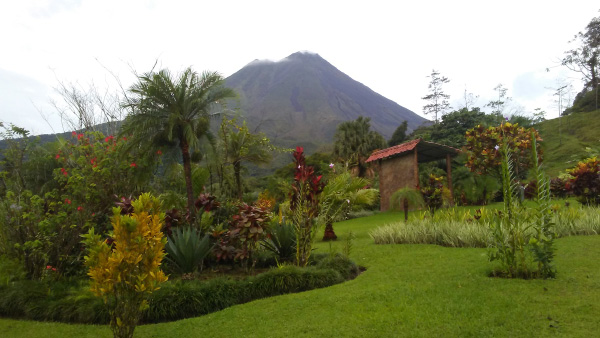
x=155 y=227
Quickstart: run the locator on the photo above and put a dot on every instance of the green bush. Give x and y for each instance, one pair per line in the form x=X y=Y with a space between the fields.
x=184 y=299
x=73 y=302
x=10 y=270
x=347 y=268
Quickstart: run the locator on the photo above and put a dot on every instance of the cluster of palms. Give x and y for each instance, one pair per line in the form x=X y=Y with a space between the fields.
x=174 y=112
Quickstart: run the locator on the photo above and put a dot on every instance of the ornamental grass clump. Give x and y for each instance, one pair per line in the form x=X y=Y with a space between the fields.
x=125 y=272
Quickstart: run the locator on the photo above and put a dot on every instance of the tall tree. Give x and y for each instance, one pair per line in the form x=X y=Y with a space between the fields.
x=585 y=59
x=499 y=104
x=585 y=56
x=438 y=100
x=354 y=141
x=174 y=111
x=399 y=134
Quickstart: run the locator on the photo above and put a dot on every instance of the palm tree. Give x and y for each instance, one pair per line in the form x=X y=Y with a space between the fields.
x=354 y=142
x=340 y=193
x=242 y=146
x=406 y=197
x=174 y=111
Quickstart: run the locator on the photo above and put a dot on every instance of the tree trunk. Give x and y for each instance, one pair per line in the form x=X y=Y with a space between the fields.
x=237 y=168
x=405 y=205
x=187 y=174
x=329 y=233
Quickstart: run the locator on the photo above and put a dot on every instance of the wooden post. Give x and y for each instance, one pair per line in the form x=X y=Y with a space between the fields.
x=449 y=176
x=416 y=169
x=384 y=200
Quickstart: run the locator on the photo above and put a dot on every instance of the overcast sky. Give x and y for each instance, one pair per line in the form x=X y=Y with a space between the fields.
x=390 y=46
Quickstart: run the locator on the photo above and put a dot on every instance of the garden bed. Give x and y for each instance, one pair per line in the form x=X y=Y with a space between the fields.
x=177 y=299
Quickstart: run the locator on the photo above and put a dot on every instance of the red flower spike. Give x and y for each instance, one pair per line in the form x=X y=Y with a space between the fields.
x=133 y=165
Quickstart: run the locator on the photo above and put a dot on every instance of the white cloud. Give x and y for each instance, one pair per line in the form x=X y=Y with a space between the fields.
x=389 y=46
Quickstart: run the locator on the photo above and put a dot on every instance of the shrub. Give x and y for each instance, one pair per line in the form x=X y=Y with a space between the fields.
x=186 y=249
x=10 y=270
x=41 y=231
x=281 y=241
x=585 y=181
x=125 y=274
x=558 y=187
x=73 y=302
x=340 y=263
x=248 y=228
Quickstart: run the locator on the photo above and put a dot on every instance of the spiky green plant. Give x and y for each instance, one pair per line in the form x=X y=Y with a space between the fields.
x=542 y=244
x=282 y=241
x=341 y=193
x=509 y=229
x=186 y=249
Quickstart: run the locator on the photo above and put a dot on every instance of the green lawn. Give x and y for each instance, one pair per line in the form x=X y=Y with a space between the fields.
x=408 y=290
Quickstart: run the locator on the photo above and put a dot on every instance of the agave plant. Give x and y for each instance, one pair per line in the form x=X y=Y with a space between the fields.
x=186 y=249
x=282 y=241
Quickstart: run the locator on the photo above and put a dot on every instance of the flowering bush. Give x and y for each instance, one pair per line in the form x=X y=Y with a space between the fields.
x=94 y=168
x=40 y=231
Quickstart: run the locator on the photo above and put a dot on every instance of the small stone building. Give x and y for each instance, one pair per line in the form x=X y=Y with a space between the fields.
x=399 y=165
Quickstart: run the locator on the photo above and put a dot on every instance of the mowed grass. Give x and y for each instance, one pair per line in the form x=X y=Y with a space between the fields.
x=407 y=290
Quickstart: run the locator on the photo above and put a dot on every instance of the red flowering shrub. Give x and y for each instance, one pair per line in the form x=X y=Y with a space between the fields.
x=94 y=169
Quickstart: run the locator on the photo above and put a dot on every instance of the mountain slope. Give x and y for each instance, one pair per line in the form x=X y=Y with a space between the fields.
x=566 y=139
x=302 y=98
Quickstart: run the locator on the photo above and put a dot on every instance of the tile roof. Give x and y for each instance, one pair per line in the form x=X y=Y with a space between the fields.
x=426 y=151
x=399 y=149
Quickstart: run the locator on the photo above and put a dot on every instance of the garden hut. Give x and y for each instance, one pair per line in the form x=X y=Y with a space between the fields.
x=399 y=165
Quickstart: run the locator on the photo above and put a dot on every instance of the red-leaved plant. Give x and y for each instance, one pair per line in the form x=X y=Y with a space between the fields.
x=585 y=181
x=304 y=204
